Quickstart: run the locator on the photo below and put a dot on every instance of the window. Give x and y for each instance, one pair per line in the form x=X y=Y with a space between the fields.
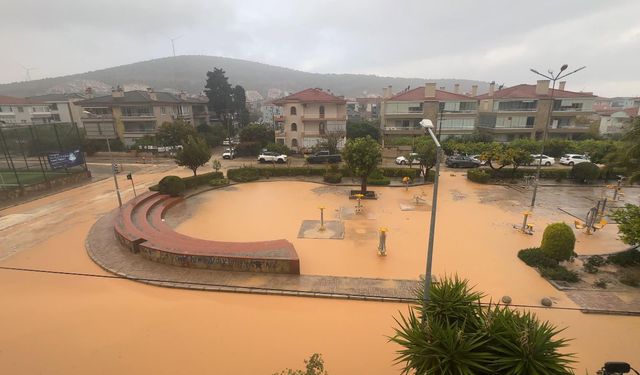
x=516 y=105
x=164 y=110
x=20 y=109
x=530 y=121
x=53 y=106
x=293 y=112
x=294 y=143
x=294 y=127
x=321 y=111
x=136 y=111
x=55 y=117
x=322 y=128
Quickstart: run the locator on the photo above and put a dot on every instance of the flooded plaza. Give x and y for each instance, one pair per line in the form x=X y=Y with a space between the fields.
x=59 y=324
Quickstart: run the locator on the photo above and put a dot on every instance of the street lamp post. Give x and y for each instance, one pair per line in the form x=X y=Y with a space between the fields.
x=553 y=78
x=428 y=126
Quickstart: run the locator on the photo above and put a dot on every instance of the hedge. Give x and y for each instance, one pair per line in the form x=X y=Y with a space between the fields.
x=203 y=179
x=243 y=174
x=478 y=175
x=171 y=185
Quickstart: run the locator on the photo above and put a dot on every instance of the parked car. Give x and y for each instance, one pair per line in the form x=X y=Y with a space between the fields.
x=229 y=153
x=324 y=157
x=477 y=158
x=402 y=160
x=272 y=157
x=572 y=159
x=459 y=161
x=546 y=160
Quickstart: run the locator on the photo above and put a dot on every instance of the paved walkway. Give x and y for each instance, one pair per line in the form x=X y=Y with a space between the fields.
x=104 y=249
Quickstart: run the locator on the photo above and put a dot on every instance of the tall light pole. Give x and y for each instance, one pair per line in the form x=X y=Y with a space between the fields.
x=553 y=78
x=428 y=127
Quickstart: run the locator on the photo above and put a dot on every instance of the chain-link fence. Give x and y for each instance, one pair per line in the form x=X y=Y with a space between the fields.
x=34 y=154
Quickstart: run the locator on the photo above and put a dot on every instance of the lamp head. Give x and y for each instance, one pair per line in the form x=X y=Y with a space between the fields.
x=564 y=67
x=426 y=124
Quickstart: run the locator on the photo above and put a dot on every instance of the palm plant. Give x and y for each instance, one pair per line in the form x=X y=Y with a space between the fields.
x=454 y=333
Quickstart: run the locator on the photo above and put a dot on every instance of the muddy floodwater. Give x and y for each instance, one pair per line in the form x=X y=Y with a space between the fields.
x=62 y=324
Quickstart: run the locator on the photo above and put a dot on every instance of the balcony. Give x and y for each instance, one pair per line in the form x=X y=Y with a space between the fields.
x=313 y=117
x=7 y=113
x=138 y=117
x=40 y=114
x=403 y=130
x=94 y=117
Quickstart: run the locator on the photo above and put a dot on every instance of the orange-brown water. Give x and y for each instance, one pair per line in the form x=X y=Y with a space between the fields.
x=62 y=324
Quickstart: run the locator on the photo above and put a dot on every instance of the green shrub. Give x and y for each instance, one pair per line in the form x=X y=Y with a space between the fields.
x=171 y=185
x=559 y=273
x=534 y=257
x=596 y=261
x=203 y=179
x=630 y=278
x=219 y=182
x=377 y=178
x=626 y=258
x=243 y=174
x=279 y=148
x=558 y=241
x=333 y=178
x=600 y=283
x=478 y=175
x=585 y=172
x=400 y=172
x=248 y=149
x=155 y=187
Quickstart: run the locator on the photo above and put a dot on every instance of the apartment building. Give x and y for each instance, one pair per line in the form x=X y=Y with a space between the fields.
x=523 y=111
x=617 y=121
x=16 y=111
x=269 y=112
x=308 y=117
x=454 y=113
x=62 y=107
x=135 y=114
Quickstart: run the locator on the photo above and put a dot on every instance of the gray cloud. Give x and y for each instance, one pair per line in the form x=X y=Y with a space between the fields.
x=489 y=40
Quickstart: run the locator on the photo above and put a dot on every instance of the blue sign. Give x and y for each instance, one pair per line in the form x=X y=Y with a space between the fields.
x=65 y=159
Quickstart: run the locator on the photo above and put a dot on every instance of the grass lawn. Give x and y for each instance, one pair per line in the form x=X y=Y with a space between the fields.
x=8 y=178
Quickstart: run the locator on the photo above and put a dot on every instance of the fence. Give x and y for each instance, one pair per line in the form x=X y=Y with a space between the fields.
x=36 y=154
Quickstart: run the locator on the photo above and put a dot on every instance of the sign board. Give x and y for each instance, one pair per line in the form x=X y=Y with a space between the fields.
x=65 y=159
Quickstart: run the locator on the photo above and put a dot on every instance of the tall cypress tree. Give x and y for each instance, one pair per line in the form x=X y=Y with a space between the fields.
x=220 y=95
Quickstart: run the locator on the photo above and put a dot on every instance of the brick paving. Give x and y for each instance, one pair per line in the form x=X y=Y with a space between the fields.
x=105 y=250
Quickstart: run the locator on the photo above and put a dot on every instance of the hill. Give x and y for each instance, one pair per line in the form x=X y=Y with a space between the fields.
x=189 y=73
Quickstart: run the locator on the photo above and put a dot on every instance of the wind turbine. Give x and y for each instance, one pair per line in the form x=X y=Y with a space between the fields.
x=27 y=72
x=173 y=46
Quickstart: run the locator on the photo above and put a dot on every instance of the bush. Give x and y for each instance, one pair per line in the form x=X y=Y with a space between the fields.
x=412 y=173
x=333 y=178
x=558 y=241
x=248 y=149
x=279 y=148
x=478 y=175
x=626 y=258
x=203 y=179
x=559 y=273
x=171 y=185
x=585 y=172
x=219 y=182
x=377 y=178
x=243 y=174
x=600 y=283
x=630 y=278
x=534 y=257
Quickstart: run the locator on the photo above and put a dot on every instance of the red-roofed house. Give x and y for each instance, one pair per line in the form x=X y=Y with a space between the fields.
x=522 y=111
x=615 y=121
x=23 y=111
x=308 y=116
x=454 y=114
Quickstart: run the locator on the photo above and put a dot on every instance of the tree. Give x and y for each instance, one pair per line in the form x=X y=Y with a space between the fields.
x=628 y=219
x=174 y=133
x=426 y=154
x=194 y=153
x=362 y=129
x=456 y=334
x=214 y=135
x=240 y=111
x=505 y=155
x=330 y=141
x=362 y=156
x=585 y=172
x=314 y=366
x=257 y=133
x=220 y=95
x=627 y=155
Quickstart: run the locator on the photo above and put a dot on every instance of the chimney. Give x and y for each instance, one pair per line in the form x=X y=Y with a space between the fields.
x=118 y=92
x=182 y=95
x=542 y=87
x=385 y=93
x=430 y=90
x=492 y=88
x=152 y=94
x=390 y=90
x=562 y=84
x=474 y=90
x=456 y=88
x=88 y=92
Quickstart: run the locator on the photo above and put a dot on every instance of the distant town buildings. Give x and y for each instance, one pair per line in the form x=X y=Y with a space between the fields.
x=269 y=112
x=135 y=114
x=616 y=121
x=17 y=111
x=308 y=117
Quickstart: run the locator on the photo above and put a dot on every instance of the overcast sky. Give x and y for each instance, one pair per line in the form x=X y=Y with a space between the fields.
x=475 y=39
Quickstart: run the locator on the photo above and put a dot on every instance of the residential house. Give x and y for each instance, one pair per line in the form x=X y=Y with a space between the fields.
x=308 y=117
x=135 y=114
x=17 y=111
x=452 y=112
x=269 y=112
x=616 y=121
x=523 y=111
x=62 y=107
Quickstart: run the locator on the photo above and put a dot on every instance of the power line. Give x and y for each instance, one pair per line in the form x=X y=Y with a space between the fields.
x=303 y=292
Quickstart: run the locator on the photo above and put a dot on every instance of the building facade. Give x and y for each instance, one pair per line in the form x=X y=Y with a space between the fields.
x=63 y=108
x=617 y=121
x=17 y=111
x=524 y=111
x=308 y=117
x=136 y=114
x=269 y=112
x=453 y=113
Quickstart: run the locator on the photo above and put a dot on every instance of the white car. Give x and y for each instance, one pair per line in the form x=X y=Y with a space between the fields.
x=272 y=157
x=477 y=158
x=229 y=153
x=546 y=160
x=572 y=159
x=402 y=160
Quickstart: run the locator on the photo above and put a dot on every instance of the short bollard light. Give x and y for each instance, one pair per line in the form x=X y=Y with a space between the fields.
x=406 y=181
x=382 y=246
x=359 y=206
x=322 y=228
